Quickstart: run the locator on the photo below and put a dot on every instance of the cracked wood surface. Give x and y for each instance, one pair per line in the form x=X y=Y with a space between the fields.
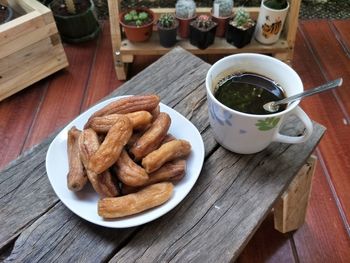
x=232 y=196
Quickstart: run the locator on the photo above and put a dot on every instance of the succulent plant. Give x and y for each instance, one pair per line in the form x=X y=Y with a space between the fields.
x=139 y=18
x=166 y=20
x=185 y=8
x=225 y=7
x=203 y=22
x=276 y=4
x=242 y=19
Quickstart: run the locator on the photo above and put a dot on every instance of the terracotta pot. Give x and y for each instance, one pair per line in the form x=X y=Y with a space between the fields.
x=222 y=25
x=138 y=33
x=184 y=26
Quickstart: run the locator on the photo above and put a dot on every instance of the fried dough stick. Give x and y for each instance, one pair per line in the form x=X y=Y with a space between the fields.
x=76 y=177
x=139 y=120
x=153 y=137
x=112 y=146
x=172 y=171
x=127 y=105
x=102 y=183
x=149 y=197
x=128 y=172
x=167 y=152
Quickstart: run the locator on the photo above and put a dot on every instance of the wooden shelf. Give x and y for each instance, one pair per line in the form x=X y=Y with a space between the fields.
x=124 y=50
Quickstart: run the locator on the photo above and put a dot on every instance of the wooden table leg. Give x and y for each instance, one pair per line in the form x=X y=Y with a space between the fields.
x=290 y=209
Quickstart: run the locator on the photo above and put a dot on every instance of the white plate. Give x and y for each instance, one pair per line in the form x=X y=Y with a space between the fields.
x=84 y=203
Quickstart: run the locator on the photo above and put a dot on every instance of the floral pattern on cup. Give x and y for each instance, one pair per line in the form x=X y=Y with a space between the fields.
x=267 y=124
x=222 y=116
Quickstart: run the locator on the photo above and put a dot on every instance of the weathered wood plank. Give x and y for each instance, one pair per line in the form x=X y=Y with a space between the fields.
x=25 y=193
x=20 y=220
x=234 y=191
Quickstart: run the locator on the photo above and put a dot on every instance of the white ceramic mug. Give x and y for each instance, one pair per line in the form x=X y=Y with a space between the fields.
x=270 y=24
x=249 y=133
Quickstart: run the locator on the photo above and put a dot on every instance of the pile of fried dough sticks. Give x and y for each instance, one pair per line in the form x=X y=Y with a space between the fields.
x=128 y=156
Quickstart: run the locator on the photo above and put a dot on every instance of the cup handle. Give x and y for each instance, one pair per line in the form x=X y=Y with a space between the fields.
x=298 y=112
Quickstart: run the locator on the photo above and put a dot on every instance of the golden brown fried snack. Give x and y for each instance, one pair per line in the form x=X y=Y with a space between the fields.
x=155 y=112
x=169 y=137
x=129 y=172
x=139 y=120
x=127 y=105
x=152 y=138
x=149 y=197
x=76 y=177
x=102 y=183
x=167 y=152
x=110 y=149
x=172 y=171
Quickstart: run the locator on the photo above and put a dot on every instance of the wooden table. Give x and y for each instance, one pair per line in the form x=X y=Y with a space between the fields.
x=233 y=195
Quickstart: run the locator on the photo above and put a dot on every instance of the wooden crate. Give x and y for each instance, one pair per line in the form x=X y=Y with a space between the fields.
x=30 y=47
x=124 y=50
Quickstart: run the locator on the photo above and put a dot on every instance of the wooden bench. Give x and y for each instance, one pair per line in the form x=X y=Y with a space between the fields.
x=232 y=196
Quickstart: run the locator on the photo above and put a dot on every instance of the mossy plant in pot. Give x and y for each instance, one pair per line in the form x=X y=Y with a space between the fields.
x=202 y=31
x=221 y=13
x=185 y=12
x=240 y=29
x=167 y=29
x=76 y=20
x=271 y=19
x=137 y=24
x=6 y=13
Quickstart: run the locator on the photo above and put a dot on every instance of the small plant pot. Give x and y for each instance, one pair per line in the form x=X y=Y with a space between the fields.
x=200 y=38
x=184 y=26
x=270 y=24
x=138 y=33
x=78 y=27
x=222 y=25
x=167 y=36
x=239 y=37
x=6 y=13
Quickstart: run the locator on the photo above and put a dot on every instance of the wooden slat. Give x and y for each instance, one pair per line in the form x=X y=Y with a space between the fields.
x=30 y=69
x=102 y=80
x=324 y=222
x=153 y=47
x=16 y=115
x=66 y=89
x=329 y=65
x=323 y=237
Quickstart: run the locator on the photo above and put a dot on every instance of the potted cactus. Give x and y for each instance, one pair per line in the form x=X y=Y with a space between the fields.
x=137 y=24
x=202 y=31
x=185 y=12
x=271 y=19
x=240 y=29
x=167 y=27
x=221 y=13
x=76 y=20
x=6 y=13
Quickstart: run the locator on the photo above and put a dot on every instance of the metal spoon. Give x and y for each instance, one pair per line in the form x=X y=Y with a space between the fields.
x=273 y=106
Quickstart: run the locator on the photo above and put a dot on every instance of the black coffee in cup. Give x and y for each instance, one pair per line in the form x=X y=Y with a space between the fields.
x=248 y=92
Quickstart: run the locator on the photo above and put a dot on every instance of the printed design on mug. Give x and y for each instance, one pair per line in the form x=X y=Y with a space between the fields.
x=273 y=29
x=267 y=124
x=221 y=116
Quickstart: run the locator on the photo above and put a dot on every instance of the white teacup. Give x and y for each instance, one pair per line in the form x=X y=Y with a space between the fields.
x=249 y=133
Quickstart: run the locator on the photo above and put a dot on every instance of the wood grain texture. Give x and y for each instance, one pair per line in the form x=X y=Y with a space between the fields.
x=101 y=79
x=67 y=89
x=314 y=71
x=16 y=116
x=313 y=245
x=230 y=192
